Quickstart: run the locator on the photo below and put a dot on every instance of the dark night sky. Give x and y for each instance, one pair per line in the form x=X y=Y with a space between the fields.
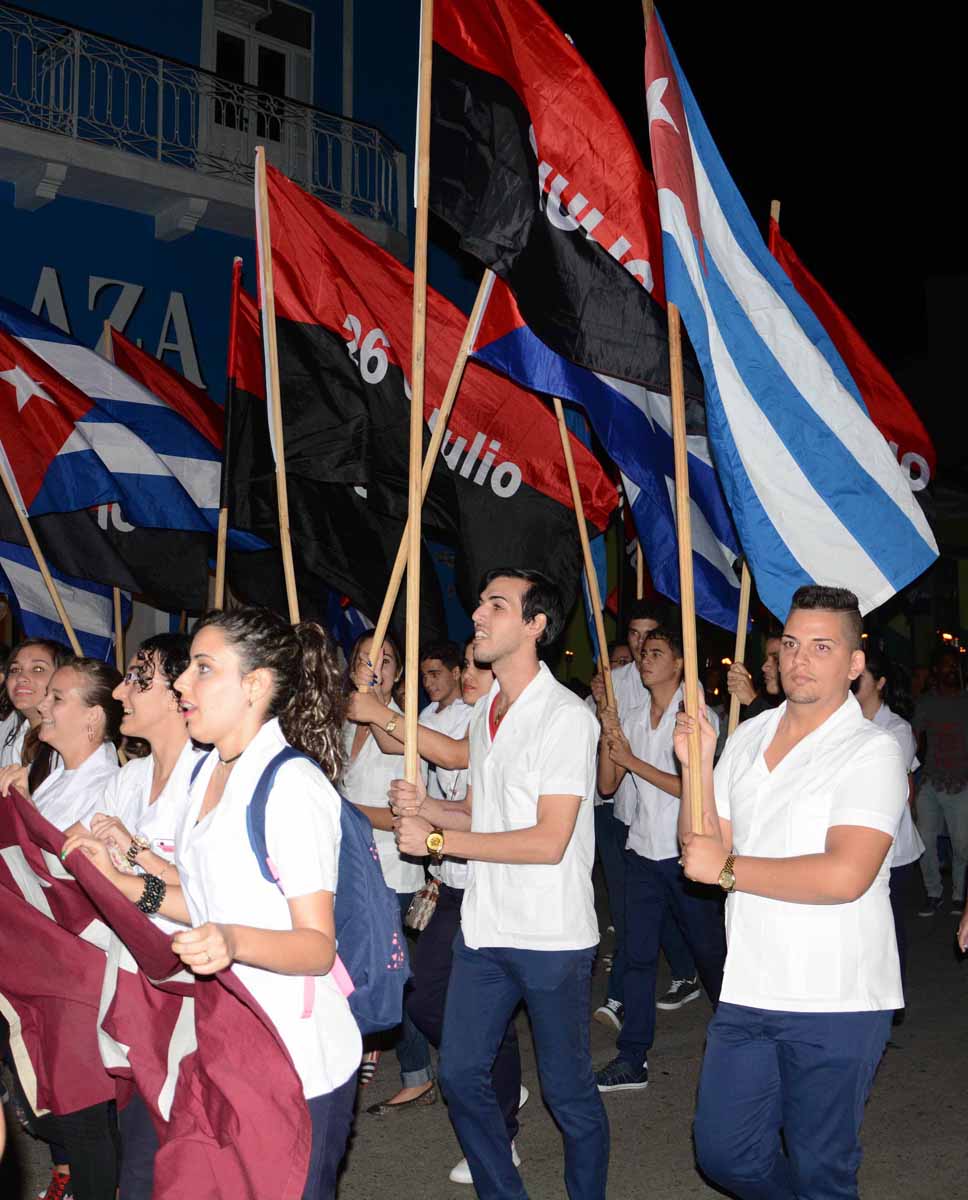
x=838 y=112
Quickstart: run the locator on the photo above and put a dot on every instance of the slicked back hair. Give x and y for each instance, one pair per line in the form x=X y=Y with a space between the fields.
x=543 y=596
x=815 y=597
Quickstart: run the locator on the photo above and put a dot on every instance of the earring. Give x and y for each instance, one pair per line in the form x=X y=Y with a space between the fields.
x=90 y=734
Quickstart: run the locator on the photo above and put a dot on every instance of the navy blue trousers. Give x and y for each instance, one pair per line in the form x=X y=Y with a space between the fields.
x=807 y=1074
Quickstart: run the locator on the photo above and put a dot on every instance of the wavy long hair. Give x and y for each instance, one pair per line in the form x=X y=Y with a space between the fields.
x=308 y=695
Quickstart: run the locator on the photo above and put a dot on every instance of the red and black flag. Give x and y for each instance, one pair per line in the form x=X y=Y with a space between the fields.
x=499 y=491
x=534 y=168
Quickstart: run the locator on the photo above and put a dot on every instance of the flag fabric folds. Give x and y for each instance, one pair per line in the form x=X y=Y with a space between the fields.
x=230 y=1114
x=90 y=606
x=887 y=405
x=634 y=427
x=814 y=490
x=533 y=167
x=499 y=490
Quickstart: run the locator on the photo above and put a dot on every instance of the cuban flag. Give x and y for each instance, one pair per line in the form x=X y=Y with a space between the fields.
x=90 y=606
x=634 y=426
x=813 y=487
x=163 y=472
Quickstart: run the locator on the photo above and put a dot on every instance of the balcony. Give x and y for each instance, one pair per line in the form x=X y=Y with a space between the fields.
x=176 y=141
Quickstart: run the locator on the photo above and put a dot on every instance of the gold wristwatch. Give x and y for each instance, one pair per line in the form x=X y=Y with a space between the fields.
x=435 y=844
x=727 y=880
x=391 y=725
x=138 y=843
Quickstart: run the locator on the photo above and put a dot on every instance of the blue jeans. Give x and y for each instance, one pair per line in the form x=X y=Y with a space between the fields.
x=653 y=891
x=139 y=1145
x=413 y=1052
x=331 y=1116
x=610 y=836
x=808 y=1074
x=486 y=986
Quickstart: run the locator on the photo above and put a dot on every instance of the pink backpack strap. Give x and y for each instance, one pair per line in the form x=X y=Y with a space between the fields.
x=341 y=977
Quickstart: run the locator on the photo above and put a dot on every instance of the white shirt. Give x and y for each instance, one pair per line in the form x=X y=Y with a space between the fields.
x=10 y=753
x=654 y=828
x=222 y=881
x=366 y=780
x=630 y=697
x=128 y=798
x=811 y=957
x=908 y=846
x=448 y=785
x=545 y=746
x=66 y=797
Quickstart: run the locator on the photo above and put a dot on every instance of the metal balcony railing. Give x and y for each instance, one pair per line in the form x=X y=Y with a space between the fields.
x=64 y=80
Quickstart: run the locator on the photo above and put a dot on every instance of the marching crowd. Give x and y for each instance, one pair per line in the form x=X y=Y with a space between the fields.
x=787 y=910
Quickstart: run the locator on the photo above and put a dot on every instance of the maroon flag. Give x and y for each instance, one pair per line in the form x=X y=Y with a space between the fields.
x=238 y=1126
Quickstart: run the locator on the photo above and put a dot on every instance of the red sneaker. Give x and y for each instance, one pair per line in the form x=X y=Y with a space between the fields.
x=59 y=1188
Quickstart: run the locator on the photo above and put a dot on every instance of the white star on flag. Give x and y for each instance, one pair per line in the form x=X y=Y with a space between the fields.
x=653 y=102
x=24 y=386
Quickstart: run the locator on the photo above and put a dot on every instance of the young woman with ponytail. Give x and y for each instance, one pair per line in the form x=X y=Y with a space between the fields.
x=255 y=684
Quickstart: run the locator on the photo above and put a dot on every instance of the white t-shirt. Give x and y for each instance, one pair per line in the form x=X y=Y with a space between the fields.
x=654 y=828
x=545 y=746
x=66 y=797
x=10 y=751
x=811 y=957
x=366 y=780
x=222 y=881
x=448 y=785
x=908 y=846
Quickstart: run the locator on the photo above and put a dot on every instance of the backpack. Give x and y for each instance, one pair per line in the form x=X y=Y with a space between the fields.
x=372 y=968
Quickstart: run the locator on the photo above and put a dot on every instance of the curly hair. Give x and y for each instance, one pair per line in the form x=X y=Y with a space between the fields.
x=308 y=695
x=168 y=652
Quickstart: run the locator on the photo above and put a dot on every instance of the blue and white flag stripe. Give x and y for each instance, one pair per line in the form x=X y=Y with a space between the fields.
x=634 y=426
x=814 y=489
x=90 y=606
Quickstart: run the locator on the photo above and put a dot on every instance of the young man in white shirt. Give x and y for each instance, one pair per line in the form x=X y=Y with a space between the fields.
x=799 y=824
x=440 y=666
x=658 y=898
x=528 y=925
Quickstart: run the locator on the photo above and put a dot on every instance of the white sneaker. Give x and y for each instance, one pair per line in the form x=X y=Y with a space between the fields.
x=523 y=1099
x=462 y=1172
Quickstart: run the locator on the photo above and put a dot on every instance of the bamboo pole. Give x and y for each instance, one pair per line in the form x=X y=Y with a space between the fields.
x=639 y=572
x=118 y=631
x=586 y=550
x=38 y=554
x=417 y=365
x=430 y=459
x=739 y=653
x=687 y=595
x=273 y=393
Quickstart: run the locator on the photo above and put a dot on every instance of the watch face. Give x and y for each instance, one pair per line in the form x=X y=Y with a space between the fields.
x=435 y=842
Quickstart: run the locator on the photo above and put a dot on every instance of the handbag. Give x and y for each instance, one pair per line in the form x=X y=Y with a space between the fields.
x=422 y=905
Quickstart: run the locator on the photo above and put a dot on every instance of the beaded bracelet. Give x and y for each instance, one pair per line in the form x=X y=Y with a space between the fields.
x=153 y=895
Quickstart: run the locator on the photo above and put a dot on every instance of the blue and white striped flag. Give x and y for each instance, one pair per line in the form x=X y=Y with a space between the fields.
x=90 y=606
x=813 y=487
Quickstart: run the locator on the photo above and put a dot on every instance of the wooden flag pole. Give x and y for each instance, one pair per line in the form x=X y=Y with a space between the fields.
x=739 y=653
x=687 y=601
x=118 y=631
x=639 y=572
x=38 y=554
x=430 y=458
x=223 y=508
x=586 y=550
x=417 y=365
x=273 y=391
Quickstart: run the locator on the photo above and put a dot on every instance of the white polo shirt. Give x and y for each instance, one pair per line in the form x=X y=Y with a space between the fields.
x=811 y=957
x=448 y=785
x=366 y=780
x=630 y=697
x=654 y=828
x=128 y=798
x=222 y=882
x=66 y=797
x=545 y=746
x=908 y=846
x=15 y=728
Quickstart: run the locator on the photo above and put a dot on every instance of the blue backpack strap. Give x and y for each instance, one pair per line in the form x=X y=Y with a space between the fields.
x=255 y=814
x=195 y=770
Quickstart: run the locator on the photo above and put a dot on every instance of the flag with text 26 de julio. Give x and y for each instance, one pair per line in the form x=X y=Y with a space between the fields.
x=814 y=489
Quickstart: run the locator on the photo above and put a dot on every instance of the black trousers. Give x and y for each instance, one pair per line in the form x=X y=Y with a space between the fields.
x=426 y=999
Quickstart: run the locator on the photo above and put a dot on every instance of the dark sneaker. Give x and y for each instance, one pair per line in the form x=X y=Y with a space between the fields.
x=622 y=1076
x=681 y=992
x=932 y=907
x=611 y=1013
